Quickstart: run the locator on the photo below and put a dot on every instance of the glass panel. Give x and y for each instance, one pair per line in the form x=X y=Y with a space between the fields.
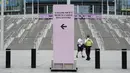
x=50 y=9
x=97 y=9
x=111 y=9
x=43 y=9
x=84 y=9
x=75 y=9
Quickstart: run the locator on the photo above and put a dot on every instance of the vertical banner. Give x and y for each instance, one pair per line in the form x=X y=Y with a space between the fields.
x=63 y=33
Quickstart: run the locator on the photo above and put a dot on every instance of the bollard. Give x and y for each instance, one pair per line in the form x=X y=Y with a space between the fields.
x=124 y=58
x=97 y=58
x=33 y=58
x=8 y=58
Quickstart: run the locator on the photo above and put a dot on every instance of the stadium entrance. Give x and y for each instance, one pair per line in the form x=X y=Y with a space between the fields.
x=81 y=6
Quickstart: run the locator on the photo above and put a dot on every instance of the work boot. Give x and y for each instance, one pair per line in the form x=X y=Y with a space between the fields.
x=88 y=59
x=76 y=56
x=83 y=56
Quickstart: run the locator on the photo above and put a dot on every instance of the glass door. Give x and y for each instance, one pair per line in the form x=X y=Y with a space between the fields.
x=42 y=9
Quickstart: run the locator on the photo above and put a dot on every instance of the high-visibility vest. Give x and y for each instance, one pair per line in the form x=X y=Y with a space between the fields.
x=89 y=43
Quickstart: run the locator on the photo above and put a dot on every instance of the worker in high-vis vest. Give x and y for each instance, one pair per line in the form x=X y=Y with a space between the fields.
x=88 y=44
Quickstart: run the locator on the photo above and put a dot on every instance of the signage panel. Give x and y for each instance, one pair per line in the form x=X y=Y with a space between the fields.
x=63 y=33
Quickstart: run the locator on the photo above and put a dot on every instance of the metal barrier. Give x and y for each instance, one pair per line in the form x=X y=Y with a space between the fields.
x=97 y=58
x=33 y=58
x=124 y=58
x=8 y=58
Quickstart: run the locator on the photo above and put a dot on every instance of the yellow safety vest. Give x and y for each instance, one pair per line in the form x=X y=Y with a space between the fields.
x=89 y=43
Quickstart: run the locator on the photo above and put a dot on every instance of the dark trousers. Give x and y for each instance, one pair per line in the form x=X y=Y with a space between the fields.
x=88 y=49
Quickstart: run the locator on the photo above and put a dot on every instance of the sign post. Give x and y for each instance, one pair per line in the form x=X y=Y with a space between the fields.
x=63 y=38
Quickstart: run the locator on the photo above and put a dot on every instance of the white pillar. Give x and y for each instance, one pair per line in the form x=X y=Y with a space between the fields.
x=68 y=2
x=93 y=9
x=77 y=9
x=102 y=7
x=32 y=9
x=24 y=8
x=2 y=25
x=122 y=13
x=107 y=7
x=115 y=6
x=38 y=6
x=47 y=9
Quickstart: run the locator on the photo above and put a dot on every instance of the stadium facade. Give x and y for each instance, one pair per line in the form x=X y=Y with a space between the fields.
x=85 y=6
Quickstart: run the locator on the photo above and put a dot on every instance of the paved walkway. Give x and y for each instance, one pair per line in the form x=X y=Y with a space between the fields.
x=21 y=62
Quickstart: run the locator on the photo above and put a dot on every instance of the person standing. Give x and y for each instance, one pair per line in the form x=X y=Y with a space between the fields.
x=88 y=44
x=80 y=46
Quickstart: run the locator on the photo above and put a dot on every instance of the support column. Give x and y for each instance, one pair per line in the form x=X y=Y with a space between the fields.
x=2 y=25
x=122 y=13
x=37 y=6
x=102 y=7
x=68 y=2
x=47 y=9
x=115 y=7
x=77 y=9
x=24 y=8
x=107 y=7
x=92 y=9
x=32 y=9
